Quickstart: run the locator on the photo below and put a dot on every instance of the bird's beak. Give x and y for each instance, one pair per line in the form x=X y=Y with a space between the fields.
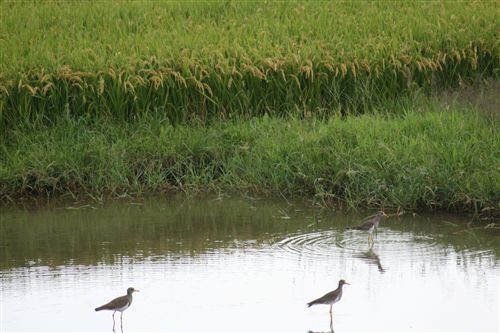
x=348 y=283
x=136 y=290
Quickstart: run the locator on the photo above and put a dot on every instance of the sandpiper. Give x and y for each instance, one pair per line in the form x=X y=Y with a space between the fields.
x=331 y=298
x=119 y=304
x=370 y=226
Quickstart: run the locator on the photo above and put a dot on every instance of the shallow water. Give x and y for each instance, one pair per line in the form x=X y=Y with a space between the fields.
x=242 y=265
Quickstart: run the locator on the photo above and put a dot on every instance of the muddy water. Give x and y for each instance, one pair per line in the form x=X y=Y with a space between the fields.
x=236 y=264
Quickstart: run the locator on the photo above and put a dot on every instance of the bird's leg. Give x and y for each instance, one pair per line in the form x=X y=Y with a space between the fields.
x=114 y=320
x=330 y=309
x=121 y=320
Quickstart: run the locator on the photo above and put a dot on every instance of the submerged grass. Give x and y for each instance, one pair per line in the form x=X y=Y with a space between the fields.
x=221 y=60
x=421 y=161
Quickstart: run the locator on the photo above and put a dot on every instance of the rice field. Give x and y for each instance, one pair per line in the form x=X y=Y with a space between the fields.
x=329 y=101
x=222 y=60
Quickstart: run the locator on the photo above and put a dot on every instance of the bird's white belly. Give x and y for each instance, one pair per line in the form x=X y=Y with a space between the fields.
x=335 y=300
x=122 y=308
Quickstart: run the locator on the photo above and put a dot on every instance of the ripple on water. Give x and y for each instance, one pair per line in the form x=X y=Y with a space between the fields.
x=315 y=244
x=394 y=242
x=326 y=243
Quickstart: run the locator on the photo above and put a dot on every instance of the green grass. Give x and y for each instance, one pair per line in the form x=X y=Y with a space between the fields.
x=421 y=161
x=216 y=60
x=312 y=99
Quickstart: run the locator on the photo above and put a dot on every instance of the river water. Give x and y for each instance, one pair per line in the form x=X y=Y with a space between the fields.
x=242 y=264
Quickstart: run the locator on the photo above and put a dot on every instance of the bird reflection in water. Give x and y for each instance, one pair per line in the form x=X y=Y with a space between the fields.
x=331 y=327
x=372 y=258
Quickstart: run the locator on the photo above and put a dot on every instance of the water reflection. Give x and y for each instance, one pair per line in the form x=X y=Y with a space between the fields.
x=239 y=259
x=331 y=327
x=104 y=236
x=371 y=258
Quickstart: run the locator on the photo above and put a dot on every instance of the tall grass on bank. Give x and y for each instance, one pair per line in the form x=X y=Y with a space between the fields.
x=220 y=59
x=422 y=161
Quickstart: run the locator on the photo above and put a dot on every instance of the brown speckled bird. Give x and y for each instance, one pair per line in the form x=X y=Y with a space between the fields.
x=119 y=304
x=370 y=225
x=331 y=298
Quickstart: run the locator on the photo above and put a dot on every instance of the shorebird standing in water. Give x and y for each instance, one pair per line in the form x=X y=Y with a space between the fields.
x=331 y=298
x=371 y=225
x=119 y=304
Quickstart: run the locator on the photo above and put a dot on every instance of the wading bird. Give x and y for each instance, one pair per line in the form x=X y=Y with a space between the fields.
x=119 y=304
x=370 y=226
x=330 y=298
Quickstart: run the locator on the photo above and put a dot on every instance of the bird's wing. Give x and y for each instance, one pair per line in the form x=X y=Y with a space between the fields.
x=327 y=297
x=364 y=226
x=116 y=303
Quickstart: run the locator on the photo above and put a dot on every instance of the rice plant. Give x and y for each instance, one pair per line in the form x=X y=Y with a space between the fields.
x=220 y=60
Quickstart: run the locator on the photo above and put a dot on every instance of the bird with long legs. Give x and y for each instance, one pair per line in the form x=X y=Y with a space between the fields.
x=370 y=226
x=119 y=304
x=330 y=298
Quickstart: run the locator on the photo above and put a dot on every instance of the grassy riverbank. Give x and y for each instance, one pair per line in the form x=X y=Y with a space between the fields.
x=311 y=99
x=423 y=160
